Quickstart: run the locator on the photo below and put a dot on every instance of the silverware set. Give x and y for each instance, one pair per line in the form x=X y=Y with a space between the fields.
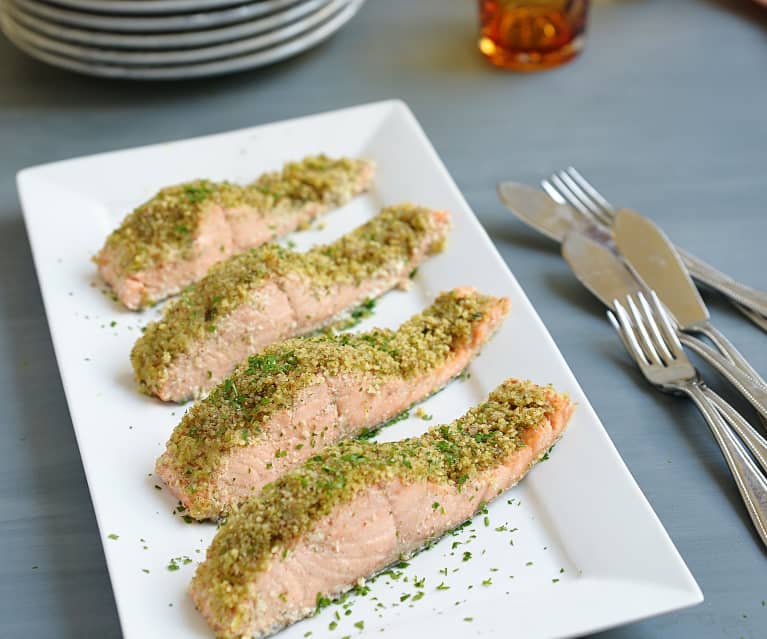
x=645 y=281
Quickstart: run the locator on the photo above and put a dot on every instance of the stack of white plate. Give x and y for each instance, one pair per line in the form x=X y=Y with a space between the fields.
x=169 y=39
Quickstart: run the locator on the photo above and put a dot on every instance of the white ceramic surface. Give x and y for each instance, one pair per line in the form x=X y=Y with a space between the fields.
x=259 y=58
x=45 y=26
x=588 y=552
x=143 y=7
x=320 y=11
x=160 y=23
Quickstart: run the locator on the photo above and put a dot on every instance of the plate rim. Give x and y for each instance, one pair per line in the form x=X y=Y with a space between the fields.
x=683 y=587
x=264 y=57
x=175 y=40
x=143 y=7
x=178 y=22
x=321 y=11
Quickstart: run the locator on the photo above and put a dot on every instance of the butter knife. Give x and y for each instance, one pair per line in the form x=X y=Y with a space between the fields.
x=604 y=274
x=653 y=258
x=537 y=209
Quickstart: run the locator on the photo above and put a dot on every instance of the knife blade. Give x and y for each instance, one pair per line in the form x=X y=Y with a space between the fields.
x=599 y=269
x=654 y=259
x=554 y=220
x=603 y=273
x=538 y=210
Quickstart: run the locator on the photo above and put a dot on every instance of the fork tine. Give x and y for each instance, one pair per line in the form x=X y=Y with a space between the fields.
x=616 y=325
x=644 y=338
x=672 y=339
x=583 y=198
x=658 y=338
x=627 y=333
x=571 y=198
x=589 y=188
x=552 y=192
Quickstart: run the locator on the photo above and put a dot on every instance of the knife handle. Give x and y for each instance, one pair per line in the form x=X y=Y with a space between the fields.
x=756 y=318
x=751 y=438
x=751 y=483
x=727 y=348
x=753 y=392
x=703 y=272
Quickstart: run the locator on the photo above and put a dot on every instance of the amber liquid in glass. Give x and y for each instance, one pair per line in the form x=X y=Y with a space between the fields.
x=528 y=36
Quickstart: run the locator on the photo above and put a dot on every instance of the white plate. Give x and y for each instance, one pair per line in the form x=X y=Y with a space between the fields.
x=259 y=58
x=145 y=6
x=320 y=11
x=180 y=22
x=190 y=38
x=589 y=552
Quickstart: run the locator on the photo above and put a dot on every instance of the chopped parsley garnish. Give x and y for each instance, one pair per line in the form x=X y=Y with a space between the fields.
x=322 y=602
x=197 y=193
x=176 y=562
x=369 y=433
x=113 y=536
x=547 y=454
x=358 y=314
x=422 y=414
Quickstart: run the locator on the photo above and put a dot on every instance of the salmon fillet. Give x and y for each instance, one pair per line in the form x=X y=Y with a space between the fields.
x=358 y=506
x=283 y=405
x=270 y=293
x=174 y=238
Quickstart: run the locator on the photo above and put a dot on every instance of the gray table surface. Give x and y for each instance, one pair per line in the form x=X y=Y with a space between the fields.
x=666 y=109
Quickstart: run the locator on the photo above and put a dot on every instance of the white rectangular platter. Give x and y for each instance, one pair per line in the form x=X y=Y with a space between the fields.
x=573 y=549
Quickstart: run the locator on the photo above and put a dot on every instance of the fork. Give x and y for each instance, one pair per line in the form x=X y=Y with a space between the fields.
x=650 y=338
x=570 y=187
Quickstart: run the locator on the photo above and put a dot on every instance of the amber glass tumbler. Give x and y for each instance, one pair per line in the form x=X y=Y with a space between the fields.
x=529 y=35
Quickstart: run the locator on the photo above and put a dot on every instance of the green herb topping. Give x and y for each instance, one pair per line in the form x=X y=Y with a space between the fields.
x=291 y=507
x=394 y=238
x=239 y=411
x=166 y=226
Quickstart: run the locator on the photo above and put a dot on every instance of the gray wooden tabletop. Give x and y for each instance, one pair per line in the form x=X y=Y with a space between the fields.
x=666 y=110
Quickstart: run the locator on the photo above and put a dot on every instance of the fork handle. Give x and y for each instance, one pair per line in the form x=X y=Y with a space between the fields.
x=753 y=392
x=752 y=485
x=747 y=433
x=703 y=272
x=756 y=318
x=728 y=349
